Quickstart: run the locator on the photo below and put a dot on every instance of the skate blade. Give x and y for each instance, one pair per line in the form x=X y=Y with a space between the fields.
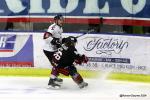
x=53 y=87
x=82 y=87
x=59 y=83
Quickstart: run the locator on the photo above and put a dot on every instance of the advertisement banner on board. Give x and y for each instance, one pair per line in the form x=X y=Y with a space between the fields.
x=106 y=52
x=116 y=52
x=16 y=50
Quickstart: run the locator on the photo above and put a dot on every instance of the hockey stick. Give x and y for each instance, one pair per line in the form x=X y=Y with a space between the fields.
x=92 y=30
x=89 y=31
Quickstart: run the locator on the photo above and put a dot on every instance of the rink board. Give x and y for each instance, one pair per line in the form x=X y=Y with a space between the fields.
x=43 y=72
x=106 y=52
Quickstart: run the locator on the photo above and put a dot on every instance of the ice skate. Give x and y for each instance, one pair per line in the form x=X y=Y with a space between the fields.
x=53 y=85
x=83 y=85
x=58 y=80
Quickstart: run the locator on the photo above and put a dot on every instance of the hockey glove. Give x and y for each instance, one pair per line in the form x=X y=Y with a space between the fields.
x=82 y=59
x=56 y=42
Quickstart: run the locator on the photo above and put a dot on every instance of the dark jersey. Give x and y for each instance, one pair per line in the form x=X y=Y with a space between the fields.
x=65 y=56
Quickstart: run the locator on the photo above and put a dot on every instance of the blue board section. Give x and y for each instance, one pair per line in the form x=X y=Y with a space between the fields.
x=22 y=58
x=7 y=42
x=115 y=8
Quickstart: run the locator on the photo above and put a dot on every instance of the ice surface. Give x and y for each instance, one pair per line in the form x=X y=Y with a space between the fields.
x=35 y=88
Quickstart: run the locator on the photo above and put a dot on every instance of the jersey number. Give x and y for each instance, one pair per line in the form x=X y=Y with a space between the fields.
x=58 y=55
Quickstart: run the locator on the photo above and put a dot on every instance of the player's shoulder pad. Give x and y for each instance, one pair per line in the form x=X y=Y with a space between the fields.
x=52 y=29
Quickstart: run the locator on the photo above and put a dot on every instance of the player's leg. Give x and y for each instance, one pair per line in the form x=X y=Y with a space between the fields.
x=55 y=72
x=79 y=80
x=77 y=77
x=54 y=80
x=71 y=70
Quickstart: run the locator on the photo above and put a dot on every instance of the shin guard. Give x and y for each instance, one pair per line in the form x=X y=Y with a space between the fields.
x=77 y=78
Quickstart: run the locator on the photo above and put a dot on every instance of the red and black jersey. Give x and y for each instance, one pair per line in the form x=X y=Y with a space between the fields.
x=65 y=56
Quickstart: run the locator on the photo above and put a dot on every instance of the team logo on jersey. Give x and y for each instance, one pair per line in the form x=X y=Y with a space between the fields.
x=7 y=43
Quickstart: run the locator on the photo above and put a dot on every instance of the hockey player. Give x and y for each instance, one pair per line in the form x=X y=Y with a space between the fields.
x=52 y=40
x=64 y=59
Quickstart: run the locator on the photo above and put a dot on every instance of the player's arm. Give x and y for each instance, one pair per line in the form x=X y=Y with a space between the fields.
x=49 y=35
x=79 y=59
x=55 y=41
